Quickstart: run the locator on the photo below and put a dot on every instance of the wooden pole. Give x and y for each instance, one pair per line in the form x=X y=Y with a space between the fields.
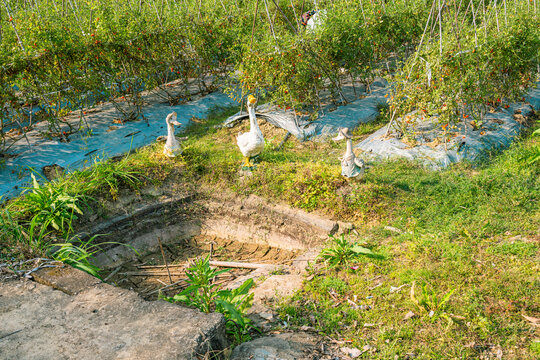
x=285 y=16
x=13 y=25
x=164 y=259
x=254 y=21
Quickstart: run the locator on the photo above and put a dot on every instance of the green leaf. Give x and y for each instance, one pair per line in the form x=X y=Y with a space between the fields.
x=34 y=181
x=361 y=250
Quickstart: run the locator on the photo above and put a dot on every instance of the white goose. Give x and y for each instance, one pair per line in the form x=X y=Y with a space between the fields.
x=172 y=146
x=251 y=143
x=351 y=166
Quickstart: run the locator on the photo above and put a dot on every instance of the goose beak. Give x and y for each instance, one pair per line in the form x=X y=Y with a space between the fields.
x=252 y=100
x=340 y=135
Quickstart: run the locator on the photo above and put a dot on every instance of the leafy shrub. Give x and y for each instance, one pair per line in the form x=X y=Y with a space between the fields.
x=204 y=294
x=467 y=67
x=51 y=205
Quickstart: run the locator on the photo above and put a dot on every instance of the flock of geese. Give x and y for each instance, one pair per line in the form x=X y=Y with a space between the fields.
x=251 y=143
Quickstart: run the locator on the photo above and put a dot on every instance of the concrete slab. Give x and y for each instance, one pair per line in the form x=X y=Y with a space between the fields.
x=65 y=278
x=287 y=346
x=100 y=322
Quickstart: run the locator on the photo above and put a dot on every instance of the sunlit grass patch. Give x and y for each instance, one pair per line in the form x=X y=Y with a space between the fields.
x=467 y=237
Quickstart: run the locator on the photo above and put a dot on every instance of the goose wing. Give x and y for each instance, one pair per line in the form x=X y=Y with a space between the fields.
x=359 y=162
x=243 y=141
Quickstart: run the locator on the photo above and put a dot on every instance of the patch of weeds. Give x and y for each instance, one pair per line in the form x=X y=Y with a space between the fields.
x=307 y=185
x=279 y=270
x=204 y=294
x=77 y=254
x=50 y=205
x=332 y=283
x=343 y=252
x=111 y=175
x=10 y=232
x=17 y=240
x=317 y=307
x=435 y=305
x=518 y=248
x=535 y=348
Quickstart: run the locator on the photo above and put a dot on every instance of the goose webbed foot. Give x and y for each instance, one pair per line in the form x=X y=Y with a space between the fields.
x=247 y=165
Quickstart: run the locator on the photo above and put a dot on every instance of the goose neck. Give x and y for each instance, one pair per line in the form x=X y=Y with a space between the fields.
x=171 y=140
x=254 y=126
x=349 y=147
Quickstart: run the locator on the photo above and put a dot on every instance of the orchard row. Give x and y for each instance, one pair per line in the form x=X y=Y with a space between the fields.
x=449 y=58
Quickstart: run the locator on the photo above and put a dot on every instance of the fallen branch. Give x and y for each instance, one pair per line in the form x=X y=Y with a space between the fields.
x=137 y=273
x=168 y=286
x=232 y=264
x=112 y=274
x=158 y=266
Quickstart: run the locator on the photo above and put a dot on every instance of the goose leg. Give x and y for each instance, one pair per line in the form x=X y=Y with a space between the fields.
x=247 y=165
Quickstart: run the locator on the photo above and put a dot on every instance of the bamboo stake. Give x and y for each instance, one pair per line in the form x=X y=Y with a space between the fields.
x=466 y=12
x=167 y=287
x=474 y=23
x=440 y=27
x=270 y=23
x=159 y=266
x=1 y=22
x=485 y=20
x=164 y=258
x=412 y=65
x=13 y=25
x=240 y=265
x=505 y=15
x=112 y=274
x=362 y=8
x=284 y=16
x=497 y=16
x=254 y=21
x=295 y=17
x=421 y=40
x=148 y=274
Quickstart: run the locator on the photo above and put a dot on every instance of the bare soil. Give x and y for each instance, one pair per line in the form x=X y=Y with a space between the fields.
x=149 y=274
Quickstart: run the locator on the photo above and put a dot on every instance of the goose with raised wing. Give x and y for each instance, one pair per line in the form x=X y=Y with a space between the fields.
x=251 y=143
x=351 y=166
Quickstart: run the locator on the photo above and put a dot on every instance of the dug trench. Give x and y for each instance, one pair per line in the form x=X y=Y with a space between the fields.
x=147 y=247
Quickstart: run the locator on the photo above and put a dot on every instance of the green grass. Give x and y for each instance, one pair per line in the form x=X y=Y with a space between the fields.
x=46 y=212
x=468 y=231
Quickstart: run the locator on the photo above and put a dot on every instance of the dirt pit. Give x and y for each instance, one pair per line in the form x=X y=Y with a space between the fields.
x=149 y=275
